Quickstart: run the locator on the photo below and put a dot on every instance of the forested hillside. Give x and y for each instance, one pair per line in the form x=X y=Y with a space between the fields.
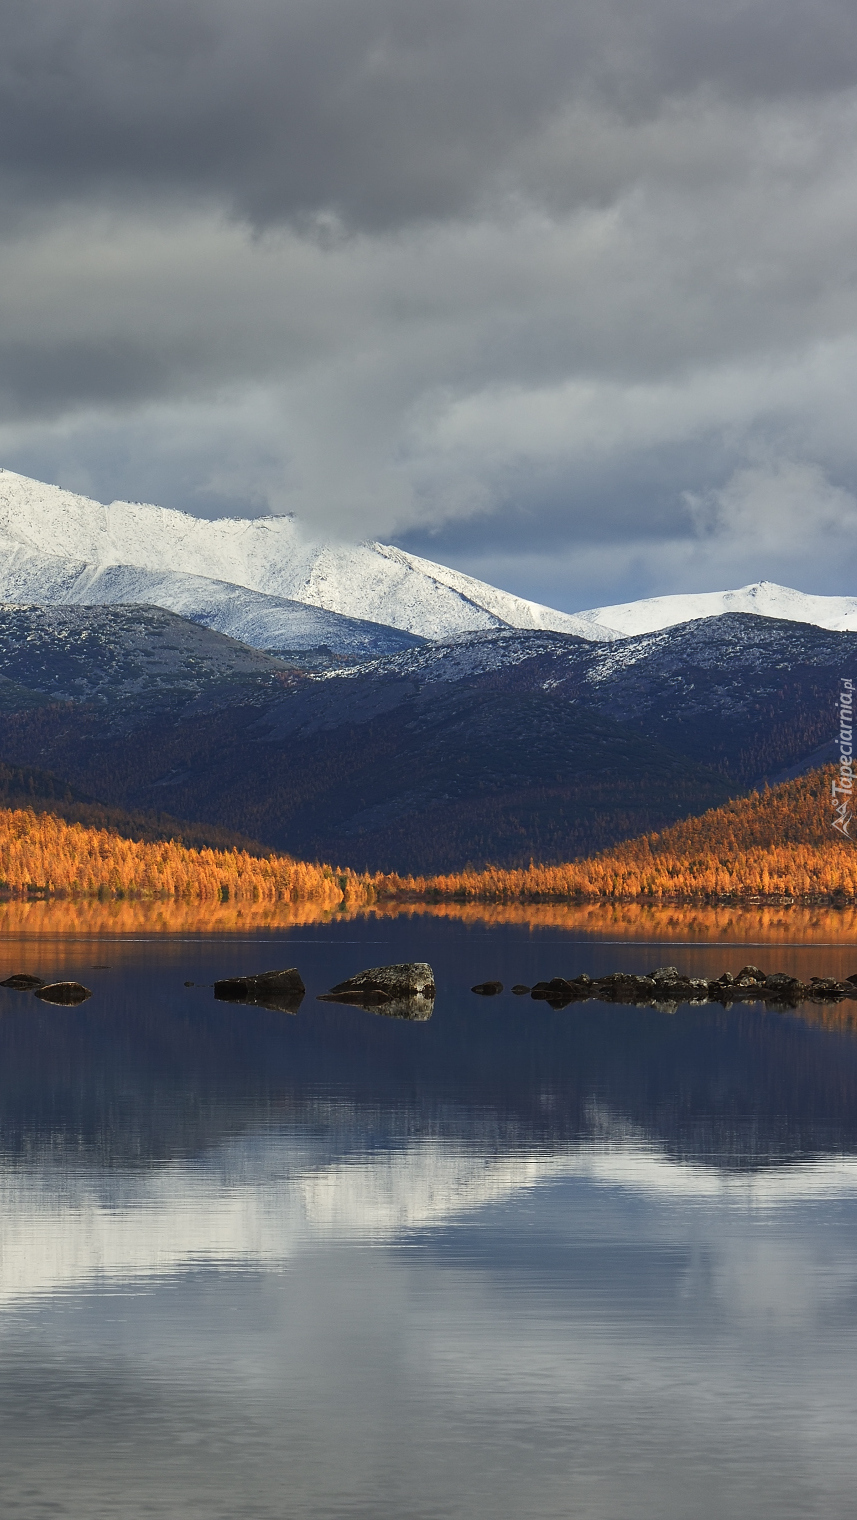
x=774 y=844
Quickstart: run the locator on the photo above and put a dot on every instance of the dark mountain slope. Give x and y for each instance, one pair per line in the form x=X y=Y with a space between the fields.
x=22 y=786
x=142 y=655
x=496 y=747
x=746 y=694
x=455 y=774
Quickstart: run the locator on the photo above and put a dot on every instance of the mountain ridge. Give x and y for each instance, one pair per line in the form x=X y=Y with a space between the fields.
x=264 y=581
x=497 y=746
x=268 y=555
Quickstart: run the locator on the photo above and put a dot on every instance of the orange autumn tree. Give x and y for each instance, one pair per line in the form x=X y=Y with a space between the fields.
x=778 y=843
x=40 y=853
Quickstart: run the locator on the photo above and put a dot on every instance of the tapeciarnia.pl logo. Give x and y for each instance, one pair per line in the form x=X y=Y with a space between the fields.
x=842 y=786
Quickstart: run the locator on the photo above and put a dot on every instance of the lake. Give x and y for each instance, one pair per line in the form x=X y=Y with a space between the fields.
x=509 y=1262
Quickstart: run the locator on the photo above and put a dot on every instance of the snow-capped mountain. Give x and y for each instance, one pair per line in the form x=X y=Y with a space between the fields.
x=58 y=546
x=765 y=599
x=262 y=580
x=265 y=622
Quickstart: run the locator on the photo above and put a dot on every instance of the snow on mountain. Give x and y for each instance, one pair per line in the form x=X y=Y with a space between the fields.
x=267 y=555
x=263 y=581
x=265 y=622
x=764 y=598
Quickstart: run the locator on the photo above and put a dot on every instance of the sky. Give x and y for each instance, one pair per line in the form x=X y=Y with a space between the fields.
x=563 y=294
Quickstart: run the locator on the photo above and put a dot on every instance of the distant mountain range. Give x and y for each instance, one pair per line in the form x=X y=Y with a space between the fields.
x=265 y=582
x=498 y=746
x=358 y=704
x=261 y=579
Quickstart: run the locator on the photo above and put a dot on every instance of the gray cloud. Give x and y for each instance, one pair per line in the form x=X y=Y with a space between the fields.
x=379 y=111
x=531 y=289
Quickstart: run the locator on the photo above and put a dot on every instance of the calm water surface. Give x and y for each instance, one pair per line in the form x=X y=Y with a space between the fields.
x=598 y=1263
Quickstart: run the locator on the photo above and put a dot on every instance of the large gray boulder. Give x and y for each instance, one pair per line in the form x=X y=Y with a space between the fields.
x=404 y=991
x=405 y=980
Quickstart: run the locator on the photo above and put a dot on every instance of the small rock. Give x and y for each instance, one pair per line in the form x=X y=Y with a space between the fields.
x=231 y=987
x=65 y=993
x=556 y=988
x=780 y=979
x=279 y=991
x=23 y=982
x=726 y=979
x=188 y=984
x=519 y=989
x=487 y=989
x=665 y=974
x=752 y=973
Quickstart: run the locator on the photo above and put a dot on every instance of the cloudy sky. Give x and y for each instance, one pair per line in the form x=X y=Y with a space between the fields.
x=561 y=293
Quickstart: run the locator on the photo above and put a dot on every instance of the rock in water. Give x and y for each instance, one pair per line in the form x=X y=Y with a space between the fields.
x=23 y=982
x=405 y=991
x=65 y=993
x=751 y=973
x=519 y=989
x=487 y=989
x=281 y=991
x=260 y=981
x=411 y=978
x=780 y=981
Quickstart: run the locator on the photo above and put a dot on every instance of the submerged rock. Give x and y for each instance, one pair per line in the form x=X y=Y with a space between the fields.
x=68 y=994
x=280 y=991
x=23 y=982
x=519 y=989
x=487 y=989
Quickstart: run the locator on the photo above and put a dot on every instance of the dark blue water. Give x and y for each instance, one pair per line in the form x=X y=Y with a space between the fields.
x=509 y=1262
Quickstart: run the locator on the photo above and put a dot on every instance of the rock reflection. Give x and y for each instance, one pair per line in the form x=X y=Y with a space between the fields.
x=416 y=1008
x=287 y=1001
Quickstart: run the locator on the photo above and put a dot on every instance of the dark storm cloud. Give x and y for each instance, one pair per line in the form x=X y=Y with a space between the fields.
x=37 y=380
x=378 y=111
x=560 y=291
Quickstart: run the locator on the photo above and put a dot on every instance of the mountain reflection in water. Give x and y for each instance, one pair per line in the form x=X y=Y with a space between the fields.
x=503 y=1262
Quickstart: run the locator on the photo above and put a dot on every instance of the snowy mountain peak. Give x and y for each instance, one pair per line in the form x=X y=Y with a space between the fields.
x=45 y=527
x=764 y=598
x=264 y=581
